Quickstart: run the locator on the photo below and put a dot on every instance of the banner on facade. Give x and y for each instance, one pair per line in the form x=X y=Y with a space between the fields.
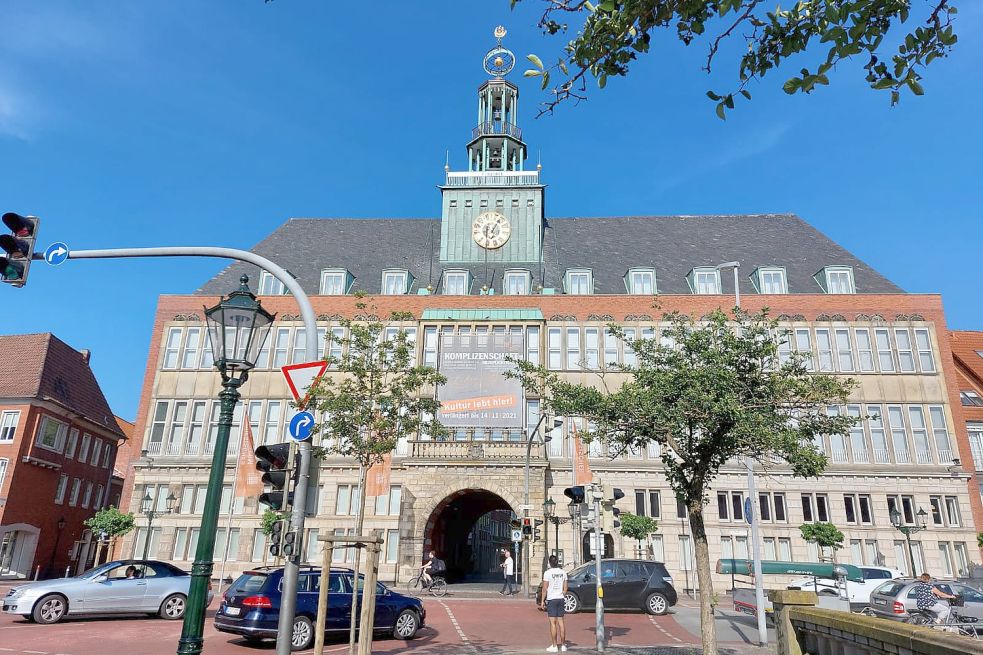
x=249 y=481
x=477 y=393
x=377 y=477
x=581 y=465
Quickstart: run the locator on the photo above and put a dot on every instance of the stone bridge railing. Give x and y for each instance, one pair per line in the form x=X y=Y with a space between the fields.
x=802 y=628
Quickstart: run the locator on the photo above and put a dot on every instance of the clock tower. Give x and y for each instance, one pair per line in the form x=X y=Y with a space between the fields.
x=493 y=212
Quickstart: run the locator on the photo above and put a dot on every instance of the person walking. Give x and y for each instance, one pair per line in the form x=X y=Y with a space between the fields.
x=551 y=599
x=508 y=569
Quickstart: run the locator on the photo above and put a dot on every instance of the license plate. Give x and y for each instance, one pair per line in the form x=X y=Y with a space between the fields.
x=880 y=601
x=232 y=611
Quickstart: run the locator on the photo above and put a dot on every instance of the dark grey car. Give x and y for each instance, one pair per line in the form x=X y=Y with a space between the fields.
x=895 y=599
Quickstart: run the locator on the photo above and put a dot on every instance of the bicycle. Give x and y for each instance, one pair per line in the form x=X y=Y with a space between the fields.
x=437 y=586
x=955 y=622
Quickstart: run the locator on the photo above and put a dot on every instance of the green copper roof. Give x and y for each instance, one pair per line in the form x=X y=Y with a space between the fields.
x=482 y=315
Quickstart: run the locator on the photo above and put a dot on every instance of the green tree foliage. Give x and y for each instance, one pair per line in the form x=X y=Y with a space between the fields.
x=713 y=390
x=271 y=516
x=824 y=535
x=111 y=522
x=610 y=34
x=638 y=527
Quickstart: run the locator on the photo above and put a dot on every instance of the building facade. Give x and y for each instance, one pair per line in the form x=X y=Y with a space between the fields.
x=967 y=354
x=494 y=266
x=58 y=443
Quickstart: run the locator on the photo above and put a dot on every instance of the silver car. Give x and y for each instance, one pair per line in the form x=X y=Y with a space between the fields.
x=895 y=599
x=123 y=586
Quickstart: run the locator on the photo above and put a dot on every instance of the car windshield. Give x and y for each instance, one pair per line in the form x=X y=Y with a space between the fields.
x=250 y=582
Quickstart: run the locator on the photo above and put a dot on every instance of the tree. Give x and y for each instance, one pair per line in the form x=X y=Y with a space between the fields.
x=375 y=396
x=979 y=539
x=269 y=518
x=710 y=391
x=110 y=523
x=638 y=527
x=824 y=535
x=610 y=34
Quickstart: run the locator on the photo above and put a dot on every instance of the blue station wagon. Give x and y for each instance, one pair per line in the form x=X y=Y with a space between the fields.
x=251 y=607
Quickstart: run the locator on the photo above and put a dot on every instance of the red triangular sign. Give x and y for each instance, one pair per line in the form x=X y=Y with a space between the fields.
x=300 y=378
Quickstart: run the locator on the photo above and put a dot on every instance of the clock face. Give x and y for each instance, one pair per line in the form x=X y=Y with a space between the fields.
x=491 y=230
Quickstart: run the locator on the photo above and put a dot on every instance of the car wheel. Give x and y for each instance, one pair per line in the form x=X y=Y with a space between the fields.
x=407 y=623
x=656 y=603
x=302 y=635
x=571 y=604
x=50 y=609
x=173 y=607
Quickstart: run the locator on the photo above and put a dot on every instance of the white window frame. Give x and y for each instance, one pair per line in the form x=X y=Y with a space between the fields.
x=699 y=288
x=331 y=273
x=60 y=489
x=512 y=276
x=636 y=277
x=456 y=283
x=829 y=272
x=4 y=464
x=758 y=280
x=73 y=497
x=60 y=434
x=395 y=274
x=172 y=348
x=9 y=420
x=269 y=286
x=577 y=290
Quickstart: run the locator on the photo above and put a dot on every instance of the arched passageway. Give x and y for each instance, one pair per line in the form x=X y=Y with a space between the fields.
x=468 y=529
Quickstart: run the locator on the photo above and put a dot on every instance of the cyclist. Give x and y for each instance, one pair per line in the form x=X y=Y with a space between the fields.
x=433 y=566
x=927 y=598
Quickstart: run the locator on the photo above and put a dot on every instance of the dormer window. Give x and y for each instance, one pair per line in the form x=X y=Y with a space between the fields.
x=579 y=282
x=517 y=283
x=456 y=283
x=335 y=282
x=269 y=285
x=836 y=279
x=770 y=280
x=396 y=282
x=704 y=281
x=640 y=281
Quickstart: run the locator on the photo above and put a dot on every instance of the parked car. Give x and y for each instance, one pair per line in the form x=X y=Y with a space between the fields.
x=628 y=584
x=857 y=592
x=156 y=588
x=895 y=599
x=251 y=606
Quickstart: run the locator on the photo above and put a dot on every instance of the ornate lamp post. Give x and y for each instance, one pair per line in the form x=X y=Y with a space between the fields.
x=237 y=326
x=147 y=509
x=549 y=509
x=897 y=520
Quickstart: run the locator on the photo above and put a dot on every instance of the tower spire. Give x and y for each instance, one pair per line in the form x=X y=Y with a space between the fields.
x=496 y=143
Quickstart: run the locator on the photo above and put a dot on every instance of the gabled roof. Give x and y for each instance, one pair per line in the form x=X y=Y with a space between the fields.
x=42 y=366
x=673 y=245
x=967 y=352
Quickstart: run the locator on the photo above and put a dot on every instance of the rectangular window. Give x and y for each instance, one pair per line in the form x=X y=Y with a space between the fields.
x=281 y=342
x=260 y=551
x=866 y=509
x=919 y=434
x=878 y=437
x=87 y=496
x=784 y=549
x=706 y=282
x=392 y=546
x=858 y=441
x=641 y=282
x=952 y=511
x=73 y=438
x=8 y=425
x=906 y=357
x=945 y=556
x=269 y=285
x=839 y=280
x=764 y=507
x=196 y=428
x=592 y=352
x=844 y=351
x=192 y=348
x=4 y=462
x=940 y=433
x=784 y=340
x=96 y=452
x=771 y=281
x=924 y=345
x=172 y=346
x=532 y=345
x=962 y=560
x=394 y=283
x=824 y=348
x=865 y=350
x=849 y=506
x=578 y=283
x=815 y=507
x=935 y=503
x=780 y=513
x=610 y=349
x=573 y=349
x=554 y=338
x=187 y=499
x=84 y=448
x=51 y=435
x=723 y=506
x=333 y=283
x=298 y=355
x=899 y=434
x=430 y=340
x=345 y=501
x=629 y=339
x=680 y=509
x=885 y=356
x=455 y=283
x=516 y=283
x=73 y=498
x=60 y=489
x=803 y=344
x=686 y=553
x=200 y=493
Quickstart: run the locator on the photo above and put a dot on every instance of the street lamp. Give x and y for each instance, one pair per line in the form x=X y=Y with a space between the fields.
x=897 y=520
x=147 y=509
x=549 y=513
x=544 y=418
x=237 y=327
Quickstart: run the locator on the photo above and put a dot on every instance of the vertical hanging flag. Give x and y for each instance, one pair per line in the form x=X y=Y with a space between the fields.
x=581 y=465
x=249 y=481
x=377 y=477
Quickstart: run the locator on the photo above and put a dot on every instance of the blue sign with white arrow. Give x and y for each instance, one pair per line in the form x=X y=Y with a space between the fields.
x=56 y=253
x=301 y=426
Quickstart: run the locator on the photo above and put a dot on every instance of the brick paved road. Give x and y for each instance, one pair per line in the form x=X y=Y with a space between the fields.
x=455 y=627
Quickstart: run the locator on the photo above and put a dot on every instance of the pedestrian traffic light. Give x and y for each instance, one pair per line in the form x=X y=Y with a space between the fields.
x=576 y=494
x=610 y=515
x=18 y=247
x=274 y=461
x=276 y=537
x=527 y=527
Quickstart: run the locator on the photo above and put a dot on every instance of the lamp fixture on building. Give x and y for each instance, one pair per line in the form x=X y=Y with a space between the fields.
x=147 y=509
x=897 y=520
x=549 y=513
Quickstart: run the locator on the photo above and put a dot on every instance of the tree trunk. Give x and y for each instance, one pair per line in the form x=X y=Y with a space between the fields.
x=702 y=551
x=359 y=521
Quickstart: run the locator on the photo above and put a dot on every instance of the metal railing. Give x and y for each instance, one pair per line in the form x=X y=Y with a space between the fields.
x=496 y=128
x=492 y=178
x=861 y=456
x=882 y=456
x=902 y=457
x=923 y=456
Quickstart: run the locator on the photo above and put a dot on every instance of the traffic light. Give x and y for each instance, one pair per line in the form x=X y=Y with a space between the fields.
x=526 y=527
x=576 y=494
x=18 y=247
x=276 y=537
x=274 y=461
x=515 y=524
x=289 y=546
x=610 y=513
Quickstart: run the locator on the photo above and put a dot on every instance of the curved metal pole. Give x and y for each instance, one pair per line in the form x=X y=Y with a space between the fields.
x=193 y=645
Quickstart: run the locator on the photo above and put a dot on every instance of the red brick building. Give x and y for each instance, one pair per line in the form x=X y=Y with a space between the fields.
x=58 y=443
x=967 y=355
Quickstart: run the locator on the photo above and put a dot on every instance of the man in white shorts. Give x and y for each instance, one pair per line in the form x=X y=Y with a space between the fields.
x=552 y=593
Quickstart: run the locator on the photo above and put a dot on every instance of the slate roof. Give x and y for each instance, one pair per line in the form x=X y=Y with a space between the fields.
x=673 y=245
x=45 y=367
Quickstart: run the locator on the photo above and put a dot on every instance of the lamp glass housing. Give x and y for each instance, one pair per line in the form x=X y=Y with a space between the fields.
x=549 y=507
x=237 y=327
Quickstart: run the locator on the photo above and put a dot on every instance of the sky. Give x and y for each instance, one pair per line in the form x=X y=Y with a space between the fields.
x=129 y=124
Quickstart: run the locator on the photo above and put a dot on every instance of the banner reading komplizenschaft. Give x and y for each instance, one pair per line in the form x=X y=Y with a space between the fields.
x=477 y=393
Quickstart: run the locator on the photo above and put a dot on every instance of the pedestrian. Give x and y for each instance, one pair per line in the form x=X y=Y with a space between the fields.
x=508 y=569
x=551 y=599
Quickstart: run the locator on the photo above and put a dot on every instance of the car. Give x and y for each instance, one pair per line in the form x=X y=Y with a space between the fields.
x=251 y=606
x=628 y=584
x=858 y=593
x=895 y=599
x=157 y=588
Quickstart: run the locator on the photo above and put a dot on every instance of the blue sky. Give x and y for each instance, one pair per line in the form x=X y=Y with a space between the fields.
x=189 y=123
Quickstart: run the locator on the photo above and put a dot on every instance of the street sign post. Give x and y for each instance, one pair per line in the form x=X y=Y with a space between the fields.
x=301 y=426
x=301 y=377
x=516 y=536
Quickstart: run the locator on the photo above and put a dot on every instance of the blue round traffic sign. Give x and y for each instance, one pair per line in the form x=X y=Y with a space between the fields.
x=56 y=253
x=301 y=426
x=748 y=510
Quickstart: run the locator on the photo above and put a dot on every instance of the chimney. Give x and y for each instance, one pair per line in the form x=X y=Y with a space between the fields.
x=86 y=355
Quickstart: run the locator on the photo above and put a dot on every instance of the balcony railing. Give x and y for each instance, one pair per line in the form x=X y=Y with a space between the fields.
x=902 y=457
x=496 y=128
x=924 y=456
x=881 y=456
x=492 y=178
x=472 y=450
x=945 y=456
x=840 y=456
x=861 y=456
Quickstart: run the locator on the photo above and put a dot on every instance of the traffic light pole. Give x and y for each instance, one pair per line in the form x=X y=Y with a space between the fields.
x=191 y=641
x=599 y=588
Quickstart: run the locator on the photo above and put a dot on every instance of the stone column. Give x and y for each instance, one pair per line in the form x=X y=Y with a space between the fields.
x=782 y=600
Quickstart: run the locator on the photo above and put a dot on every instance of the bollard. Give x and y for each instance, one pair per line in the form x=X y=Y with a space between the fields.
x=68 y=570
x=37 y=571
